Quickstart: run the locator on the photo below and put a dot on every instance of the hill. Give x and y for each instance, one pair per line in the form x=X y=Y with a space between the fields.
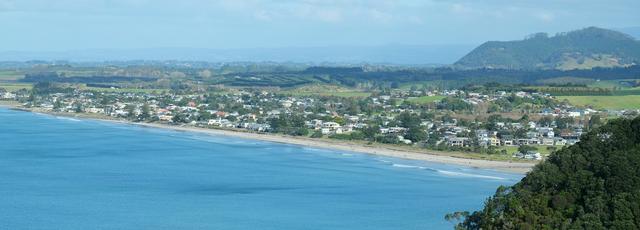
x=580 y=49
x=594 y=184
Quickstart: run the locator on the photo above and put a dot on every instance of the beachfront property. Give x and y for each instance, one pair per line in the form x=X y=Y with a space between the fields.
x=256 y=112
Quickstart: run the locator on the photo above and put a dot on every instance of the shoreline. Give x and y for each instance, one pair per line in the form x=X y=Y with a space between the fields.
x=432 y=157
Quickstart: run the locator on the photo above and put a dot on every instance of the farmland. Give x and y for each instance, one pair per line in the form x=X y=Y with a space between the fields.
x=125 y=90
x=604 y=102
x=425 y=99
x=12 y=87
x=10 y=75
x=325 y=90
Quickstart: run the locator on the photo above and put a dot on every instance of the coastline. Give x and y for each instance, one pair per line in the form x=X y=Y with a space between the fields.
x=428 y=156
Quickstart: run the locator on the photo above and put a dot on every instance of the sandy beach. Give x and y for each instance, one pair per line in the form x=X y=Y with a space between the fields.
x=423 y=155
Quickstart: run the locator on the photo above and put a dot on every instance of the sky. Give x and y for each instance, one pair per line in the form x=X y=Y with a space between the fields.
x=63 y=25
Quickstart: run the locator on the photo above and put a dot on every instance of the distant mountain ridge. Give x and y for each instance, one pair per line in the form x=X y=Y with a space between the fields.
x=581 y=49
x=382 y=54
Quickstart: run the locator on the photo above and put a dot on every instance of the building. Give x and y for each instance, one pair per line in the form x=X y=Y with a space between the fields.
x=458 y=141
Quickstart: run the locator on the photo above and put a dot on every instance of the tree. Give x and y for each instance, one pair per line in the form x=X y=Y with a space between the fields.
x=545 y=121
x=78 y=107
x=180 y=118
x=416 y=134
x=564 y=122
x=58 y=104
x=520 y=133
x=317 y=134
x=594 y=184
x=594 y=121
x=409 y=120
x=205 y=115
x=526 y=148
x=371 y=131
x=146 y=112
x=130 y=108
x=357 y=135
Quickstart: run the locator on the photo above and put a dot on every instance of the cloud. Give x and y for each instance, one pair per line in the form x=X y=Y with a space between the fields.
x=328 y=15
x=545 y=16
x=380 y=16
x=459 y=8
x=213 y=23
x=263 y=15
x=6 y=5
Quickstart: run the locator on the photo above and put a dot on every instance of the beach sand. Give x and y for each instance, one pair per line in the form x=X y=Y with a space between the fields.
x=423 y=155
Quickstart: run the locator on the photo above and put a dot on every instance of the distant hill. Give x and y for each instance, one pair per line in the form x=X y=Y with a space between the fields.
x=633 y=31
x=580 y=49
x=420 y=55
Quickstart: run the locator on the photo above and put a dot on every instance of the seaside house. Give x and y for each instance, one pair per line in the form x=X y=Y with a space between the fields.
x=458 y=141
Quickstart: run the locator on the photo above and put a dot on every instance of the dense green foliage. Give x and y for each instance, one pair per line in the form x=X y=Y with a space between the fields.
x=585 y=48
x=594 y=184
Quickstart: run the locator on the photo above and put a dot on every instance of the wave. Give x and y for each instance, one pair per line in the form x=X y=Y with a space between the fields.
x=408 y=166
x=448 y=173
x=318 y=150
x=67 y=119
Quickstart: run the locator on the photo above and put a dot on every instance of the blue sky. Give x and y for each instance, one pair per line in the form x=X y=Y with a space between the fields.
x=47 y=25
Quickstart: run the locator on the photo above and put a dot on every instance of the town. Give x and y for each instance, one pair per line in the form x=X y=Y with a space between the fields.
x=510 y=124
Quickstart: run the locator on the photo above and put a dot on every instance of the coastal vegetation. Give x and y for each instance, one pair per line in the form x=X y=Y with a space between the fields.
x=591 y=185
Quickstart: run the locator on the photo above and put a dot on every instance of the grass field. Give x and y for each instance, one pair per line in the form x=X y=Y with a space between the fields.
x=125 y=90
x=611 y=84
x=605 y=84
x=12 y=87
x=325 y=90
x=604 y=102
x=334 y=94
x=10 y=75
x=425 y=99
x=542 y=149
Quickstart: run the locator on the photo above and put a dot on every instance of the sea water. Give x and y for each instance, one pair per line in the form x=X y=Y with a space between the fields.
x=64 y=173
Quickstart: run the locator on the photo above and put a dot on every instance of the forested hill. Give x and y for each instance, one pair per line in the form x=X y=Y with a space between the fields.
x=594 y=184
x=580 y=49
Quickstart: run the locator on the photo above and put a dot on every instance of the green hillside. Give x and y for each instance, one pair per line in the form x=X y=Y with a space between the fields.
x=580 y=49
x=594 y=184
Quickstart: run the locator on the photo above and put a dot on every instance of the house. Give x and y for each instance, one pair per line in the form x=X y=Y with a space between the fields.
x=406 y=141
x=287 y=103
x=458 y=141
x=331 y=128
x=493 y=141
x=94 y=110
x=314 y=124
x=397 y=130
x=530 y=155
x=547 y=141
x=560 y=141
x=257 y=127
x=331 y=125
x=8 y=95
x=507 y=140
x=220 y=122
x=527 y=141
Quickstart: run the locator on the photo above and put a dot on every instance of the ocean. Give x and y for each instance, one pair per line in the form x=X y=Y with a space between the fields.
x=65 y=173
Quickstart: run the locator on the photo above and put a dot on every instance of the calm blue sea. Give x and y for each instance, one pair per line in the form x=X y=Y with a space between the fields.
x=63 y=173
